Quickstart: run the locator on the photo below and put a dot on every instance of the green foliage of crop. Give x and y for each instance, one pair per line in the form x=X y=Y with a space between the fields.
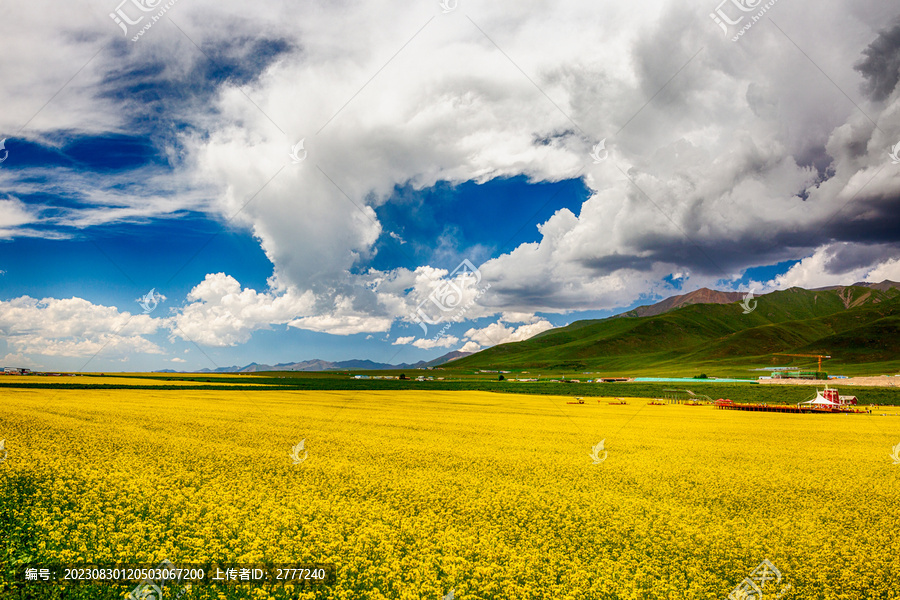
x=740 y=392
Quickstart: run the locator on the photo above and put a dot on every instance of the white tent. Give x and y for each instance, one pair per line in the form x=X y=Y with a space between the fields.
x=821 y=400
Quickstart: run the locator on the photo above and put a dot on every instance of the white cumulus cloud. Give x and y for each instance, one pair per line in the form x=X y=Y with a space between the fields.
x=722 y=156
x=470 y=347
x=222 y=313
x=445 y=341
x=74 y=327
x=498 y=333
x=838 y=264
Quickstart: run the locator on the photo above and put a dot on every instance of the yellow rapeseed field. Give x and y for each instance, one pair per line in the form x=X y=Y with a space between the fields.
x=121 y=379
x=413 y=494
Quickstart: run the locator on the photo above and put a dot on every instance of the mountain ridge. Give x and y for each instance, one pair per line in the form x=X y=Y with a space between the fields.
x=315 y=365
x=859 y=324
x=707 y=296
x=701 y=296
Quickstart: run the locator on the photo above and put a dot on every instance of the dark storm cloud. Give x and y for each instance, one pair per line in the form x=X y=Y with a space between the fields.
x=550 y=138
x=881 y=65
x=849 y=257
x=818 y=158
x=872 y=225
x=613 y=262
x=873 y=220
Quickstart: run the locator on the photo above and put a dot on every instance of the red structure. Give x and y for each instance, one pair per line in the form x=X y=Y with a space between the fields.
x=832 y=395
x=787 y=408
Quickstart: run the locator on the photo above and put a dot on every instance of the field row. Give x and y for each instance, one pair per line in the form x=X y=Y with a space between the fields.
x=411 y=494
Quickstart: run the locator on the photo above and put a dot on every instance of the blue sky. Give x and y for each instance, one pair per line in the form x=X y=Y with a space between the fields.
x=112 y=265
x=583 y=168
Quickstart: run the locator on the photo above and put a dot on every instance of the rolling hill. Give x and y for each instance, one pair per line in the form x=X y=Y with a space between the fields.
x=858 y=325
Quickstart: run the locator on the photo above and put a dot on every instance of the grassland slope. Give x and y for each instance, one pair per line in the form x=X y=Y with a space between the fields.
x=856 y=324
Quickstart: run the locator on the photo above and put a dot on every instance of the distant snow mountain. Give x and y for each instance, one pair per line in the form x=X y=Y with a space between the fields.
x=324 y=365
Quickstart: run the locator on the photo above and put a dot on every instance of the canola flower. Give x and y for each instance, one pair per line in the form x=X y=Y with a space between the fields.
x=414 y=493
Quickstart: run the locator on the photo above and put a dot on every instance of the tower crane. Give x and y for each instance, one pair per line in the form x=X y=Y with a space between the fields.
x=819 y=356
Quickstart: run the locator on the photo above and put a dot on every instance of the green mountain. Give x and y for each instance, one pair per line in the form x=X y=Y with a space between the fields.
x=858 y=325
